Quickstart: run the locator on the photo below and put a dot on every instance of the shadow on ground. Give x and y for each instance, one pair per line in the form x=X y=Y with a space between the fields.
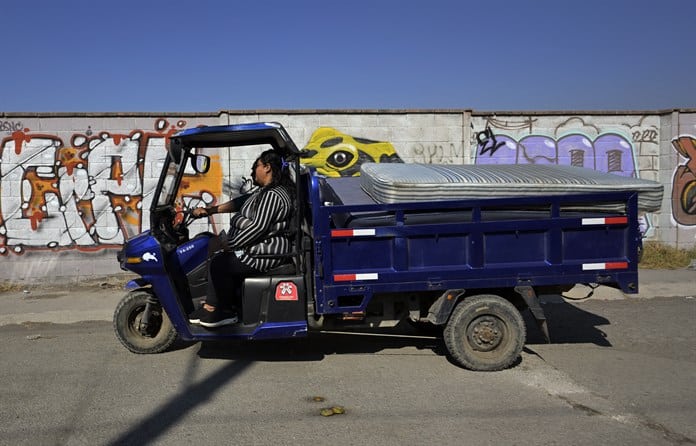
x=316 y=346
x=568 y=324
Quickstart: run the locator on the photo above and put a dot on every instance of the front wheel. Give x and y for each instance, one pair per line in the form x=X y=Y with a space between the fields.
x=155 y=337
x=485 y=333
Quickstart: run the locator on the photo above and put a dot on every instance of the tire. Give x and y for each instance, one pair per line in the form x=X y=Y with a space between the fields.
x=485 y=333
x=127 y=316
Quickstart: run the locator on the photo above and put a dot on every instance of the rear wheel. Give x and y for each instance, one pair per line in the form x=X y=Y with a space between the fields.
x=485 y=333
x=155 y=337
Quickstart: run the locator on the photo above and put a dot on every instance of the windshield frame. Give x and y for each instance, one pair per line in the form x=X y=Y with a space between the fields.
x=185 y=145
x=169 y=181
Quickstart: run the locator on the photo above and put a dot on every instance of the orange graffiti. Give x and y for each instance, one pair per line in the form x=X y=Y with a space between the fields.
x=684 y=182
x=116 y=169
x=127 y=210
x=86 y=211
x=40 y=186
x=686 y=146
x=41 y=180
x=19 y=137
x=71 y=158
x=193 y=185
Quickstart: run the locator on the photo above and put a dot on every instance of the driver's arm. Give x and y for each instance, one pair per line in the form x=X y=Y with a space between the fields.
x=233 y=205
x=220 y=208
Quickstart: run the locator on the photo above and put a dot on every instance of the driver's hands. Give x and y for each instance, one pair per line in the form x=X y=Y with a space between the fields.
x=199 y=212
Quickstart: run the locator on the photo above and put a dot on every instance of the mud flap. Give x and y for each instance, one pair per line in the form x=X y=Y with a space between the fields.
x=532 y=301
x=439 y=312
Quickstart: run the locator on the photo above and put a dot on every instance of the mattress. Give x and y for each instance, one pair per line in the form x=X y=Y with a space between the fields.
x=394 y=183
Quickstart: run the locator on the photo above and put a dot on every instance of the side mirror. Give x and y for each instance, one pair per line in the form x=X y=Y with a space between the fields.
x=200 y=163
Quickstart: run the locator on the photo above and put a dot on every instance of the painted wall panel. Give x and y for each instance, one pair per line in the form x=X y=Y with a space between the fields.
x=74 y=187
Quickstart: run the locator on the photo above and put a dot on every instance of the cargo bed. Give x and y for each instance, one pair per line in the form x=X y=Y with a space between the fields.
x=365 y=248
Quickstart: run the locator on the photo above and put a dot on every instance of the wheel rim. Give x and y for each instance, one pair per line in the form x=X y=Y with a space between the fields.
x=486 y=333
x=135 y=318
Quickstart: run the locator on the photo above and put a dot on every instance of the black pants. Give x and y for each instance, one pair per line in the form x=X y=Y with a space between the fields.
x=225 y=280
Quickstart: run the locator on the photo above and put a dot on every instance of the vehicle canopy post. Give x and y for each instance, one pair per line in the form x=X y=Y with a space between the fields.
x=176 y=150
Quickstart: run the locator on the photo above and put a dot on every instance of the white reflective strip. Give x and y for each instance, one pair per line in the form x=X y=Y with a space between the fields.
x=593 y=221
x=593 y=266
x=363 y=232
x=367 y=276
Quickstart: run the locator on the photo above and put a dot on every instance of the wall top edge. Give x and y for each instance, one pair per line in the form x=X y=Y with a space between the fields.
x=346 y=111
x=460 y=111
x=106 y=114
x=475 y=113
x=583 y=112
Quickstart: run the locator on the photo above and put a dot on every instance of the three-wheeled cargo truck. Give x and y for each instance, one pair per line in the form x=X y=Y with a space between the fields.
x=466 y=266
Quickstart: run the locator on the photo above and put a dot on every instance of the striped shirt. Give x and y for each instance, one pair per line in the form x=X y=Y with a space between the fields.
x=261 y=227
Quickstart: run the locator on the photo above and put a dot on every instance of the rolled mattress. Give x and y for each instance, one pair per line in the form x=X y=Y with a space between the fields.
x=394 y=183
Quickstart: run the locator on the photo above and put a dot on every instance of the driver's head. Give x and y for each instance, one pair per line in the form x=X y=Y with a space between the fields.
x=269 y=169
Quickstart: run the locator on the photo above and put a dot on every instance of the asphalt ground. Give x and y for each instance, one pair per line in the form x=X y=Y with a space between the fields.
x=620 y=370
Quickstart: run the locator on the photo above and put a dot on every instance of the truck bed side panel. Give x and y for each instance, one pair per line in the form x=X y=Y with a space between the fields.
x=365 y=249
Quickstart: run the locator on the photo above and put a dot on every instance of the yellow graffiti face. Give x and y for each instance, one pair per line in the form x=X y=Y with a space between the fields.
x=336 y=154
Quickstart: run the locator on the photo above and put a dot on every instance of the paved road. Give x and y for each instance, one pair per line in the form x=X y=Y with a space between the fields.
x=619 y=372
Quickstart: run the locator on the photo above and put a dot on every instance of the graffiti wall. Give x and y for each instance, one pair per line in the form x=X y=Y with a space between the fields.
x=340 y=141
x=87 y=191
x=336 y=154
x=73 y=188
x=683 y=179
x=607 y=145
x=604 y=143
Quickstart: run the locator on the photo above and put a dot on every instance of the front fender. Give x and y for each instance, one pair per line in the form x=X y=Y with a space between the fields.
x=162 y=290
x=441 y=309
x=137 y=283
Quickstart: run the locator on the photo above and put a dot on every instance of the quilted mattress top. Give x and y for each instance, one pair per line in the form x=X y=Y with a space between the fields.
x=397 y=182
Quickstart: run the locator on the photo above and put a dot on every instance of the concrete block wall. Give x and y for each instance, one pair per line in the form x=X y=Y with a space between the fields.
x=420 y=137
x=73 y=187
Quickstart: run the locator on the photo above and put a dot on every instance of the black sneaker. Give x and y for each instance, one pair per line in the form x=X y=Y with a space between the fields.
x=216 y=318
x=195 y=317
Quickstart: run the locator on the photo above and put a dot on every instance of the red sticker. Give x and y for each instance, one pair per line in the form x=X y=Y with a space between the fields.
x=286 y=291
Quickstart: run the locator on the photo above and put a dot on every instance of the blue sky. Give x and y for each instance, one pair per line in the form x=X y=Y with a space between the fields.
x=205 y=56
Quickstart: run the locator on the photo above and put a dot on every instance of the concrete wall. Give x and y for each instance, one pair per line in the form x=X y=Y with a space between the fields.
x=73 y=187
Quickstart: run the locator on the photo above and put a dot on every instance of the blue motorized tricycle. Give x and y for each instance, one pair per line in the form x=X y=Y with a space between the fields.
x=466 y=267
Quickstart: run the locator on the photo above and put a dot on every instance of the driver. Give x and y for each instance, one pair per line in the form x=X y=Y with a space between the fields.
x=258 y=230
